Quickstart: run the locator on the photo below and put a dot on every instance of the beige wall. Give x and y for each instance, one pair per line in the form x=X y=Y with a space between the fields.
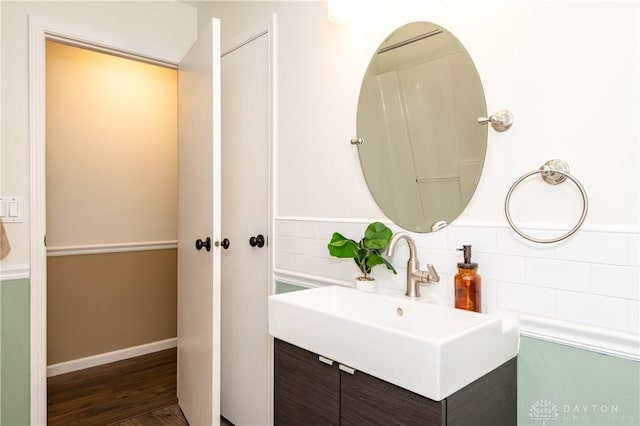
x=111 y=149
x=105 y=302
x=111 y=163
x=163 y=29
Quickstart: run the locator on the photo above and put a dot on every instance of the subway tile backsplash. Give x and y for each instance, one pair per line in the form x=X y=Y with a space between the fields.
x=558 y=274
x=634 y=316
x=599 y=311
x=616 y=281
x=593 y=278
x=634 y=249
x=526 y=299
x=596 y=247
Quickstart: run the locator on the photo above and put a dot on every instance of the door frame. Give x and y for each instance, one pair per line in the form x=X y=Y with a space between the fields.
x=265 y=27
x=41 y=30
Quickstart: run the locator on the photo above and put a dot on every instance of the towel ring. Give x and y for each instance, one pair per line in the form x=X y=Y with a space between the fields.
x=553 y=172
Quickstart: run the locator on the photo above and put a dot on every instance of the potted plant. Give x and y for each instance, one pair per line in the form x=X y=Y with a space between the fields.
x=366 y=253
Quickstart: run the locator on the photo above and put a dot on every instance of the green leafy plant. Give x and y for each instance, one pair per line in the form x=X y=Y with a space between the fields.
x=367 y=252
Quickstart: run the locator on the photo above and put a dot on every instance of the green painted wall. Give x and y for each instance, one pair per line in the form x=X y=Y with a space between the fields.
x=14 y=352
x=286 y=288
x=562 y=385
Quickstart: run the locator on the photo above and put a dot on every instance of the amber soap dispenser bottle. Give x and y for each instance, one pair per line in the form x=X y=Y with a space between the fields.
x=468 y=283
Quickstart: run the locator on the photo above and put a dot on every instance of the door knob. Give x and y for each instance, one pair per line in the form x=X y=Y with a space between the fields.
x=225 y=243
x=206 y=244
x=258 y=241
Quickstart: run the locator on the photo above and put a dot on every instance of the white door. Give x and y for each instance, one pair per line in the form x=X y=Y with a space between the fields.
x=199 y=219
x=246 y=345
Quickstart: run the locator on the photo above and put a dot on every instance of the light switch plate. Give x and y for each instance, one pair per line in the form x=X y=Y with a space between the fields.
x=11 y=209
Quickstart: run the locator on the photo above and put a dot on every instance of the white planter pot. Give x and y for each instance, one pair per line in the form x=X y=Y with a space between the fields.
x=365 y=285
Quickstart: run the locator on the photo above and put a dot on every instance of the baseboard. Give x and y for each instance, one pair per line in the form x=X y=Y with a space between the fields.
x=108 y=357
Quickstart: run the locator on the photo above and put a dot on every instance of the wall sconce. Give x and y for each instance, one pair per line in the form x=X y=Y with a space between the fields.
x=340 y=11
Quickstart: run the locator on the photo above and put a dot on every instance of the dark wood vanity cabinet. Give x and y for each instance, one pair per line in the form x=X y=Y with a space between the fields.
x=306 y=390
x=311 y=392
x=367 y=400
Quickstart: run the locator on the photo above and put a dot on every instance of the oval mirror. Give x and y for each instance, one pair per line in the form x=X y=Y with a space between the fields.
x=423 y=150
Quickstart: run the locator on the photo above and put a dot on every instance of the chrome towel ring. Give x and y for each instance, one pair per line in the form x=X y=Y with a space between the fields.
x=553 y=172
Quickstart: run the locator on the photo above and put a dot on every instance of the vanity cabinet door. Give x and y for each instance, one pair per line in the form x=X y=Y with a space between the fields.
x=306 y=390
x=310 y=392
x=371 y=401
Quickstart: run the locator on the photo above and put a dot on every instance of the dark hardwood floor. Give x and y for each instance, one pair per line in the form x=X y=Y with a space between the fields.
x=138 y=391
x=170 y=416
x=111 y=393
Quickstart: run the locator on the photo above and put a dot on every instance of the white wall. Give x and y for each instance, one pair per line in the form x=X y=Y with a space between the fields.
x=569 y=72
x=165 y=29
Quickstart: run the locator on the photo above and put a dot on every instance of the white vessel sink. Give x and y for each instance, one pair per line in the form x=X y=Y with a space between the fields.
x=428 y=349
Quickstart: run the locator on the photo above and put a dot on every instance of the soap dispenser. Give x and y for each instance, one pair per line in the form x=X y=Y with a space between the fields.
x=468 y=283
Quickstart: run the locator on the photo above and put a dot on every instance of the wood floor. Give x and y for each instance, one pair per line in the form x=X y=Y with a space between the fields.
x=111 y=393
x=170 y=416
x=139 y=391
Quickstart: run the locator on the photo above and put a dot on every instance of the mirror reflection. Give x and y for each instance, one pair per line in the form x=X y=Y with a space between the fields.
x=423 y=150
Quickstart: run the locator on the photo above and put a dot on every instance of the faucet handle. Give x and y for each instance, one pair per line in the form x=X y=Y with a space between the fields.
x=426 y=277
x=433 y=275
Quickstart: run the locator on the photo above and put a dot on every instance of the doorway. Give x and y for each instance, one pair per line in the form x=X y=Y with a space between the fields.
x=39 y=32
x=111 y=186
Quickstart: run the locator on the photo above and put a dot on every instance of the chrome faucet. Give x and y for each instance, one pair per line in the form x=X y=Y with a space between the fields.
x=414 y=275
